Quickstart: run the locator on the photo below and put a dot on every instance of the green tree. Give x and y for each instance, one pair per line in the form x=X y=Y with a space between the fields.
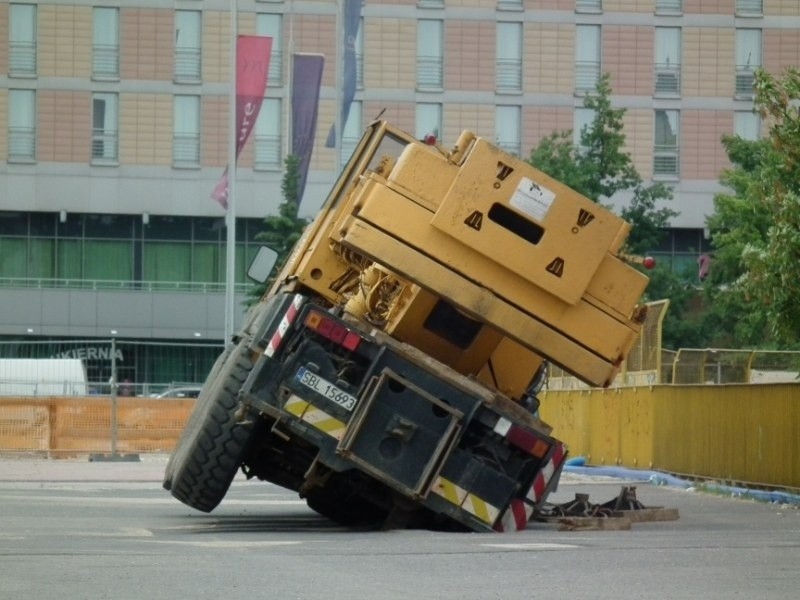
x=756 y=227
x=281 y=231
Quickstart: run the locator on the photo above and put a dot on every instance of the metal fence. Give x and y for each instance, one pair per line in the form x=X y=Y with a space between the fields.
x=719 y=366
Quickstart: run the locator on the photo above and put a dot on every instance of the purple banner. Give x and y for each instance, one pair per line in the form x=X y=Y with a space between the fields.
x=352 y=19
x=306 y=82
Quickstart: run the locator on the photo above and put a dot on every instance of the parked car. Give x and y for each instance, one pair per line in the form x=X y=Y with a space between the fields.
x=181 y=392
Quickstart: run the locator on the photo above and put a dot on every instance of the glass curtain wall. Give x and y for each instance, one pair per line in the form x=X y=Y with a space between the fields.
x=74 y=250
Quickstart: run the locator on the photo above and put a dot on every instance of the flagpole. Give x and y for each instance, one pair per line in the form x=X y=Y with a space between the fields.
x=340 y=41
x=230 y=217
x=287 y=110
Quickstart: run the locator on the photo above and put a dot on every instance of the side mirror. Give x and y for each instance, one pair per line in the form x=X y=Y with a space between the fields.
x=262 y=264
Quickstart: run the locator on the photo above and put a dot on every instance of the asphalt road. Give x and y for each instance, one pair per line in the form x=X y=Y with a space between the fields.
x=90 y=530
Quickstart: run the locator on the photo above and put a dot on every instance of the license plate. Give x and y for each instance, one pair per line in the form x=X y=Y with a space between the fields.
x=326 y=388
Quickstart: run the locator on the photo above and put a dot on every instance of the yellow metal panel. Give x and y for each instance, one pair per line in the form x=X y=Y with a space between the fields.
x=405 y=326
x=736 y=433
x=575 y=232
x=511 y=368
x=479 y=302
x=601 y=333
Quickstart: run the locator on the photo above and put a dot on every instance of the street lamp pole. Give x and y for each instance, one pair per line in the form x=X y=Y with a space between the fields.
x=230 y=217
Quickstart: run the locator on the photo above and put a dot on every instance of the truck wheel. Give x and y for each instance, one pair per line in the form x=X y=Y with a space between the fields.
x=212 y=445
x=178 y=454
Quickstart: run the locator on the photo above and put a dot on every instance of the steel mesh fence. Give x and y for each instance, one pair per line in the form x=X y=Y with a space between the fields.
x=64 y=427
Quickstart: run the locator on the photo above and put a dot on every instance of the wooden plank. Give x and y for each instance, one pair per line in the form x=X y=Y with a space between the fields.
x=594 y=524
x=644 y=515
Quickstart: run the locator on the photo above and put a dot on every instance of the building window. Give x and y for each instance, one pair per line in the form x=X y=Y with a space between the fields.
x=22 y=40
x=105 y=43
x=429 y=55
x=360 y=56
x=668 y=61
x=267 y=136
x=186 y=131
x=351 y=134
x=666 y=158
x=271 y=25
x=581 y=120
x=747 y=125
x=429 y=120
x=430 y=3
x=188 y=34
x=748 y=59
x=508 y=75
x=749 y=8
x=508 y=128
x=669 y=7
x=590 y=6
x=21 y=125
x=587 y=58
x=105 y=141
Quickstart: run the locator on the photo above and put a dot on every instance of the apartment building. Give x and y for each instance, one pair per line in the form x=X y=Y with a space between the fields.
x=114 y=126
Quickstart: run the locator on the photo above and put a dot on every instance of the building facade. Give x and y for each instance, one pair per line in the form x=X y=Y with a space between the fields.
x=114 y=126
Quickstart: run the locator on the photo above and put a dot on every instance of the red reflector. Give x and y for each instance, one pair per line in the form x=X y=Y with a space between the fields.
x=527 y=441
x=325 y=327
x=351 y=341
x=337 y=333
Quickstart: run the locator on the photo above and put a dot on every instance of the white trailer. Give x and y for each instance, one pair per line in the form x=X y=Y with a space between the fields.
x=42 y=377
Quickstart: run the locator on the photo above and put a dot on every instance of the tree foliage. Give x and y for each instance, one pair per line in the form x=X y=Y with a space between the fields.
x=756 y=227
x=281 y=231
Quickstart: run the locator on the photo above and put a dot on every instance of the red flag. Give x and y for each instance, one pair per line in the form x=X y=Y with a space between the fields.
x=252 y=68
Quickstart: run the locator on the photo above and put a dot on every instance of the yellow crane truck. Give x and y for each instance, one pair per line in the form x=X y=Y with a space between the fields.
x=389 y=376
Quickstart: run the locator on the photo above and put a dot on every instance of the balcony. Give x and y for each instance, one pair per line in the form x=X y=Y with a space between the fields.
x=587 y=74
x=667 y=81
x=429 y=73
x=745 y=79
x=275 y=77
x=105 y=61
x=21 y=144
x=508 y=76
x=588 y=6
x=669 y=7
x=510 y=5
x=186 y=150
x=749 y=8
x=666 y=161
x=105 y=145
x=157 y=310
x=22 y=59
x=187 y=65
x=267 y=152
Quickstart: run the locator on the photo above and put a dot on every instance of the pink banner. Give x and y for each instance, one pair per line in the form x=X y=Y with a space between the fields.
x=252 y=69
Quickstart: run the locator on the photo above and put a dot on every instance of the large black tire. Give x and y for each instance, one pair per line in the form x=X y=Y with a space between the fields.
x=212 y=445
x=181 y=448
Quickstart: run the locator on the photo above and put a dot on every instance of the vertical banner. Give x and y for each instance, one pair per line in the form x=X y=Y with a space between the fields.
x=252 y=68
x=306 y=82
x=352 y=19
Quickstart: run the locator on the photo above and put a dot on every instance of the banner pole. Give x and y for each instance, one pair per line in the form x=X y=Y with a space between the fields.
x=230 y=217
